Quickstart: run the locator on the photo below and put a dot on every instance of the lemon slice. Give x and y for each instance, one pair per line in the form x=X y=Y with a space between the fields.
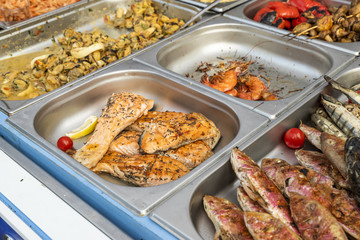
x=86 y=128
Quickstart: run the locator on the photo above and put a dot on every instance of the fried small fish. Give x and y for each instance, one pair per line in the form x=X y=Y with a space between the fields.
x=260 y=188
x=263 y=226
x=227 y=218
x=313 y=220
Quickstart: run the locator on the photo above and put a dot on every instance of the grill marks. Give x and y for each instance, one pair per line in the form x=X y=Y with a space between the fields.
x=120 y=111
x=142 y=170
x=147 y=148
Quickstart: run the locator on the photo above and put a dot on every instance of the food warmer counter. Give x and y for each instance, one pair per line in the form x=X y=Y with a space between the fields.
x=174 y=209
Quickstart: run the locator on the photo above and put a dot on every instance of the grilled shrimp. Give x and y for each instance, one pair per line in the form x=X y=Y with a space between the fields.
x=224 y=81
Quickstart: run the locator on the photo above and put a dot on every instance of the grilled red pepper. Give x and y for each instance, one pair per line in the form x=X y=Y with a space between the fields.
x=276 y=13
x=297 y=21
x=303 y=5
x=261 y=13
x=283 y=9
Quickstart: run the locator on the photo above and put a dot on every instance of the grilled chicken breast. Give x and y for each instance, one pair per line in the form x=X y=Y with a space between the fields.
x=127 y=143
x=121 y=110
x=192 y=154
x=171 y=130
x=141 y=170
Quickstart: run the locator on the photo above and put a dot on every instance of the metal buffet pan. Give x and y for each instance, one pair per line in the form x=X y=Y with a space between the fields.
x=221 y=7
x=31 y=40
x=51 y=118
x=13 y=25
x=246 y=13
x=183 y=214
x=293 y=67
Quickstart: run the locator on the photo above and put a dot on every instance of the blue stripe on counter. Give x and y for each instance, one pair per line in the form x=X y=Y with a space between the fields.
x=23 y=217
x=137 y=227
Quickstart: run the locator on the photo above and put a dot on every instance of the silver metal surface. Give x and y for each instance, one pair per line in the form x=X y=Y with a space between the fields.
x=183 y=214
x=98 y=220
x=24 y=40
x=293 y=67
x=199 y=14
x=222 y=7
x=47 y=120
x=246 y=12
x=13 y=25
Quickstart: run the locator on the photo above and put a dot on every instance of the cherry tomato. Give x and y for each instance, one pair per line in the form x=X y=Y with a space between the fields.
x=294 y=138
x=64 y=143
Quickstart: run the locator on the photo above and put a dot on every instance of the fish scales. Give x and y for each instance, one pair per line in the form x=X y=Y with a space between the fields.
x=342 y=207
x=352 y=159
x=333 y=148
x=351 y=94
x=318 y=162
x=249 y=173
x=227 y=218
x=263 y=226
x=312 y=135
x=344 y=119
x=246 y=203
x=289 y=179
x=313 y=220
x=121 y=110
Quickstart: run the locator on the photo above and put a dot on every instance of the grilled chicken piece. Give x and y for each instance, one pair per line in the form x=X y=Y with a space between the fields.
x=313 y=220
x=120 y=111
x=180 y=128
x=263 y=226
x=126 y=143
x=227 y=218
x=141 y=170
x=191 y=155
x=259 y=187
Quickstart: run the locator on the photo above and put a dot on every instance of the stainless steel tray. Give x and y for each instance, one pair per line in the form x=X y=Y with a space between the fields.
x=106 y=226
x=183 y=214
x=45 y=121
x=246 y=12
x=220 y=8
x=13 y=25
x=291 y=65
x=21 y=41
